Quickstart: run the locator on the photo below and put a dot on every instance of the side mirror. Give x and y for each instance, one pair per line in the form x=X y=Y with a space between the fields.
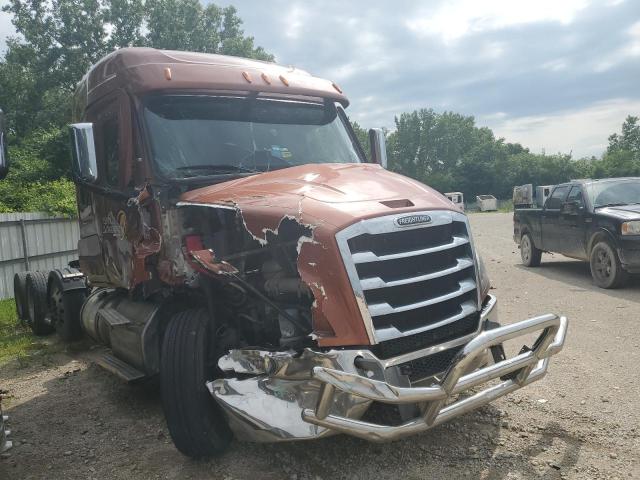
x=571 y=208
x=85 y=166
x=378 y=145
x=4 y=151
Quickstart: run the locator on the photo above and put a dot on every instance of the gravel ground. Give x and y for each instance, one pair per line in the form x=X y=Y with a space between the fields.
x=72 y=420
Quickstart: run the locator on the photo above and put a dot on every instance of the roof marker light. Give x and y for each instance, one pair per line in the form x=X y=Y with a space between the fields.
x=246 y=76
x=338 y=89
x=167 y=73
x=266 y=78
x=284 y=80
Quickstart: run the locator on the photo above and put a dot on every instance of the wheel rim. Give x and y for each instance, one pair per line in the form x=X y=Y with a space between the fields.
x=603 y=264
x=525 y=248
x=57 y=305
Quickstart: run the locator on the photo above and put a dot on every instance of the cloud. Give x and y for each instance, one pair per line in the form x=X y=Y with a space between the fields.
x=578 y=131
x=455 y=19
x=531 y=61
x=518 y=65
x=629 y=50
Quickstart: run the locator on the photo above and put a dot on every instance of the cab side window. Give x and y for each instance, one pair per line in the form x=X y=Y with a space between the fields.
x=110 y=137
x=575 y=196
x=555 y=201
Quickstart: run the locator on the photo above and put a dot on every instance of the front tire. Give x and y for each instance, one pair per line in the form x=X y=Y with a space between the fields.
x=606 y=269
x=529 y=254
x=196 y=423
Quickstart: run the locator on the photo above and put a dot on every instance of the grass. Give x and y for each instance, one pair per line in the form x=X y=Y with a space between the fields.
x=505 y=206
x=16 y=340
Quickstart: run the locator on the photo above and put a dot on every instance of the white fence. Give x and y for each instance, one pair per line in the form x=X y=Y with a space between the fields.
x=34 y=241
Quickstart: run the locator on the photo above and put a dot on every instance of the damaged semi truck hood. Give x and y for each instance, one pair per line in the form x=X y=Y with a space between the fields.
x=324 y=198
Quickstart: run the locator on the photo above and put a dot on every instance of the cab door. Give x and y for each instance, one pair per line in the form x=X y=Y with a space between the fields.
x=572 y=223
x=104 y=247
x=552 y=238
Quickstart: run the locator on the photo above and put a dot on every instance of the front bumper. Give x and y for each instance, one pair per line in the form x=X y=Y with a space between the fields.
x=629 y=253
x=315 y=394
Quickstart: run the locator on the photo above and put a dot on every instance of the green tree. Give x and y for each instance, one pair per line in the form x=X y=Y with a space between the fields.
x=59 y=40
x=363 y=137
x=628 y=140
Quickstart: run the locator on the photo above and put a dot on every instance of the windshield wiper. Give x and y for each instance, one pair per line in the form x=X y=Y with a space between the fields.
x=233 y=168
x=217 y=168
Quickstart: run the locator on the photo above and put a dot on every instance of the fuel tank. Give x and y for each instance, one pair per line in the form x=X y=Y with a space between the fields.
x=130 y=328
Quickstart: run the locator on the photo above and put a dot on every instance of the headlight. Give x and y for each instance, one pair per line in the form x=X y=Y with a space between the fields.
x=485 y=281
x=631 y=228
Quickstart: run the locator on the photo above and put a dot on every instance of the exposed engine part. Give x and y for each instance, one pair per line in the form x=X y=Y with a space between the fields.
x=130 y=328
x=279 y=286
x=256 y=288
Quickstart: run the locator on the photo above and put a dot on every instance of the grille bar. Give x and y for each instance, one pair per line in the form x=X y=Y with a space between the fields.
x=411 y=279
x=364 y=257
x=377 y=282
x=389 y=333
x=385 y=309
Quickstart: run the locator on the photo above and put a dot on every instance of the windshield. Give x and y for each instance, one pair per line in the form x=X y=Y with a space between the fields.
x=611 y=193
x=193 y=135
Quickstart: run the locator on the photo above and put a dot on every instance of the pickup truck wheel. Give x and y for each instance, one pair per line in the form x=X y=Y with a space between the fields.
x=196 y=423
x=530 y=255
x=606 y=269
x=37 y=304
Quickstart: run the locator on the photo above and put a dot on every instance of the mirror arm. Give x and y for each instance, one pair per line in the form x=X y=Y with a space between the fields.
x=377 y=142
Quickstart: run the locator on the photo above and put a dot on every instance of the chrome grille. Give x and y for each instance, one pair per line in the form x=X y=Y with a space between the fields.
x=410 y=279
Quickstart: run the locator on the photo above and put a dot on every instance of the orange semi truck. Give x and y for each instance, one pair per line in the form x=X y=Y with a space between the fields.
x=236 y=242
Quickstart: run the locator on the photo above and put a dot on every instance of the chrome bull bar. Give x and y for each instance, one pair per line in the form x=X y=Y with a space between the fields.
x=523 y=369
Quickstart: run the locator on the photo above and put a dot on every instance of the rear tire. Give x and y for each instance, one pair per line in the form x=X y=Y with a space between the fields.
x=196 y=423
x=606 y=269
x=37 y=303
x=530 y=255
x=20 y=295
x=64 y=308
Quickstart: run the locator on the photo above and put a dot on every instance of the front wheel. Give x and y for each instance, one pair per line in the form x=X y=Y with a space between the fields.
x=196 y=423
x=529 y=254
x=606 y=269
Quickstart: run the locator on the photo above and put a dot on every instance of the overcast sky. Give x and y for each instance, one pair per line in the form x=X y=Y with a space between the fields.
x=558 y=75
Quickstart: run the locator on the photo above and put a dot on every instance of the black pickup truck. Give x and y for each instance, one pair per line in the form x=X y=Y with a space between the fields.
x=593 y=220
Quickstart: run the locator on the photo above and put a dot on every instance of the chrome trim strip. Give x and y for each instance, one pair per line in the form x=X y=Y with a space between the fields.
x=377 y=282
x=378 y=309
x=366 y=257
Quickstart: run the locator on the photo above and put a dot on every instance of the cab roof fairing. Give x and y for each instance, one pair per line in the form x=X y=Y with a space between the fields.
x=143 y=70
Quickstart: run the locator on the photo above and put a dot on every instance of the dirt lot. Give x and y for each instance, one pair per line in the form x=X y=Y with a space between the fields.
x=72 y=420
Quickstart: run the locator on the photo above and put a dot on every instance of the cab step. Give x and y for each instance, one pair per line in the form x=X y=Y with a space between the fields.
x=119 y=368
x=113 y=317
